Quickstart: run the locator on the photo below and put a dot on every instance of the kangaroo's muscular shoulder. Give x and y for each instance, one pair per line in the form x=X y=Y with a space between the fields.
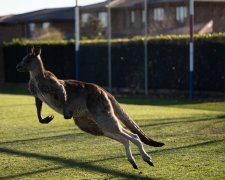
x=79 y=88
x=47 y=84
x=50 y=82
x=74 y=86
x=71 y=85
x=51 y=78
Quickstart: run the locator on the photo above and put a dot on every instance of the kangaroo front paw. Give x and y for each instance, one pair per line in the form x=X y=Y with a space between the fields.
x=47 y=119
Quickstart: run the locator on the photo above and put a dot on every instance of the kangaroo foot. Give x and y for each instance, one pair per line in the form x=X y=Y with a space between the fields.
x=150 y=163
x=148 y=159
x=133 y=164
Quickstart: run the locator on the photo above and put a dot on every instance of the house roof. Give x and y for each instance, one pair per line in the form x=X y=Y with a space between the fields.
x=54 y=14
x=64 y=14
x=41 y=15
x=95 y=6
x=124 y=3
x=132 y=3
x=5 y=18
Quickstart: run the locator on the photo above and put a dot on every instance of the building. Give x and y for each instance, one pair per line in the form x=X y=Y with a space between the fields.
x=167 y=17
x=164 y=17
x=23 y=25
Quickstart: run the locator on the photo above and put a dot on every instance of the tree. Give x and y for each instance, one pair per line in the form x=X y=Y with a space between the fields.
x=48 y=34
x=92 y=29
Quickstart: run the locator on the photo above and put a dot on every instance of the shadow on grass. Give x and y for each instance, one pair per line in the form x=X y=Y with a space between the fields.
x=77 y=134
x=184 y=104
x=170 y=149
x=155 y=102
x=71 y=163
x=68 y=163
x=22 y=90
x=184 y=120
x=31 y=173
x=206 y=143
x=64 y=136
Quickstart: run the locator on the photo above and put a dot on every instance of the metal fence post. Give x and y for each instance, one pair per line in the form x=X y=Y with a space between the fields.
x=191 y=47
x=109 y=49
x=77 y=38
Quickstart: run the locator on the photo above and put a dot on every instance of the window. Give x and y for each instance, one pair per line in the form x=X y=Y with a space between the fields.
x=181 y=14
x=84 y=17
x=158 y=14
x=46 y=25
x=143 y=16
x=102 y=16
x=32 y=27
x=132 y=16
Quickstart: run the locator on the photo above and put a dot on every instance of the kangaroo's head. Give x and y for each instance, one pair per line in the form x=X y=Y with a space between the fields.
x=31 y=61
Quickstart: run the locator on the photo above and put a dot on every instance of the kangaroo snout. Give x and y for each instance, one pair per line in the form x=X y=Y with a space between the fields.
x=19 y=68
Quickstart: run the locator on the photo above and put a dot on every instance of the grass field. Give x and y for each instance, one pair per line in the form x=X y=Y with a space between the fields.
x=194 y=134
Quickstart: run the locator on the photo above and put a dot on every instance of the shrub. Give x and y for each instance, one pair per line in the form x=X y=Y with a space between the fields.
x=214 y=37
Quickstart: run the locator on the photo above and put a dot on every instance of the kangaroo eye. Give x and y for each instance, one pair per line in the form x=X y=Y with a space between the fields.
x=28 y=60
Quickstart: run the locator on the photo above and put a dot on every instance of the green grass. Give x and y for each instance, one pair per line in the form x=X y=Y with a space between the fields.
x=194 y=133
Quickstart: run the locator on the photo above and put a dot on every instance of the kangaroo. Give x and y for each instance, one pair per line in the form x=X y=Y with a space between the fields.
x=94 y=110
x=44 y=84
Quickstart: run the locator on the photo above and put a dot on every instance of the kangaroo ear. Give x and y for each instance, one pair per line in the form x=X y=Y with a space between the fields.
x=37 y=51
x=30 y=49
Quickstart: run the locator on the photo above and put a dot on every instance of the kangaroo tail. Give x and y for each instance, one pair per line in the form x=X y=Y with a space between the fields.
x=131 y=125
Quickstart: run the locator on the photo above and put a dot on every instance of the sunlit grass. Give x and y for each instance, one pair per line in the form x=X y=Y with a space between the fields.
x=194 y=134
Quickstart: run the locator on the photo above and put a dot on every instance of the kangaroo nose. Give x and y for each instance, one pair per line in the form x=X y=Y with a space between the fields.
x=17 y=66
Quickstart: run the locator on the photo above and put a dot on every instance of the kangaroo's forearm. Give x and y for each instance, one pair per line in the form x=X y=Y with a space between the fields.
x=46 y=120
x=39 y=108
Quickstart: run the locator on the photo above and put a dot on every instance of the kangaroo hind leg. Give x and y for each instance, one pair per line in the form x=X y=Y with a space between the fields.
x=126 y=144
x=136 y=140
x=130 y=124
x=101 y=109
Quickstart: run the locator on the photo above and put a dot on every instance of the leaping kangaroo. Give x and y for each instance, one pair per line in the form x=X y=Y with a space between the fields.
x=93 y=109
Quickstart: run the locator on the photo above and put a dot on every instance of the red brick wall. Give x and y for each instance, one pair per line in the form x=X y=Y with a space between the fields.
x=67 y=27
x=211 y=11
x=204 y=12
x=7 y=32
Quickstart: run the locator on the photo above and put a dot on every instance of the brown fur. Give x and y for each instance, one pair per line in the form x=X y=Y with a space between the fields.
x=94 y=109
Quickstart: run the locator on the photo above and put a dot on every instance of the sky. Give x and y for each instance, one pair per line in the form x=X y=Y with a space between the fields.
x=21 y=6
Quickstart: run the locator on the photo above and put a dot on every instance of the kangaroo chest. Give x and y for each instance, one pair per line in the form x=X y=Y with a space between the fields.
x=49 y=95
x=46 y=93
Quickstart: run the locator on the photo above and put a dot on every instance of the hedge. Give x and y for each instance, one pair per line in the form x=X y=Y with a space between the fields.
x=219 y=37
x=168 y=61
